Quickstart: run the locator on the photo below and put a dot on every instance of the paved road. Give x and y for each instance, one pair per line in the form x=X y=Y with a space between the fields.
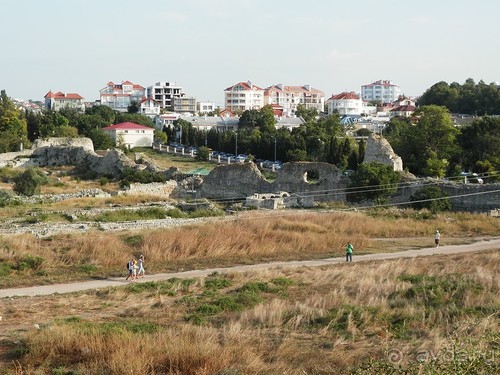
x=490 y=244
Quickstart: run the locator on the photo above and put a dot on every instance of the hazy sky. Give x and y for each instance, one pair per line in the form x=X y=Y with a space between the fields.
x=206 y=46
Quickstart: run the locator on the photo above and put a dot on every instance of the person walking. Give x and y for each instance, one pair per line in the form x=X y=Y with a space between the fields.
x=130 y=266
x=437 y=237
x=348 y=252
x=134 y=270
x=141 y=272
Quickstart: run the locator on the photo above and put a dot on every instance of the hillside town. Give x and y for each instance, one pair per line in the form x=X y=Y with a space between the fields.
x=164 y=102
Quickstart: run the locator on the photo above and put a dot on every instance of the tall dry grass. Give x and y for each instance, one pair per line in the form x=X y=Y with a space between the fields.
x=252 y=237
x=329 y=320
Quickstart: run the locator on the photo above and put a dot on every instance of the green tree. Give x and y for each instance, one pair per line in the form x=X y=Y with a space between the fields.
x=104 y=112
x=160 y=136
x=426 y=147
x=431 y=198
x=100 y=139
x=307 y=114
x=479 y=143
x=12 y=124
x=29 y=182
x=134 y=107
x=373 y=181
x=203 y=153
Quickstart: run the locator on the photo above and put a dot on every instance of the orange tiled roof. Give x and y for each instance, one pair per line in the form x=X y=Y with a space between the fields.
x=344 y=96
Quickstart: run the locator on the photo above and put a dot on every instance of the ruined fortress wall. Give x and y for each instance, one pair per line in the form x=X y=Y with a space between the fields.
x=463 y=197
x=243 y=180
x=378 y=149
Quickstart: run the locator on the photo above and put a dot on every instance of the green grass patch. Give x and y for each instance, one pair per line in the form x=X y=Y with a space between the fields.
x=153 y=213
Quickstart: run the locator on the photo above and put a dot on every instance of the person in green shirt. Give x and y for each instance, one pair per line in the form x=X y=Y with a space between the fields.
x=348 y=252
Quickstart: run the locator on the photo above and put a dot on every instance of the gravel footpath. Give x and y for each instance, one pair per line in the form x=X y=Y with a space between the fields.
x=489 y=244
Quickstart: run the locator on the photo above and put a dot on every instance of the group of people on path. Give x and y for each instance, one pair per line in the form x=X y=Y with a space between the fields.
x=136 y=268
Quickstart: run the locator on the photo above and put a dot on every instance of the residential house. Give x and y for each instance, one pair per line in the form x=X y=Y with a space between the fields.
x=243 y=96
x=164 y=93
x=345 y=104
x=384 y=91
x=131 y=135
x=59 y=100
x=120 y=96
x=289 y=97
x=149 y=107
x=403 y=107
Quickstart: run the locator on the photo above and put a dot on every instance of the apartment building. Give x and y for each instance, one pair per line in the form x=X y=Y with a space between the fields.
x=289 y=97
x=383 y=90
x=119 y=96
x=243 y=96
x=205 y=107
x=164 y=93
x=345 y=103
x=184 y=104
x=59 y=100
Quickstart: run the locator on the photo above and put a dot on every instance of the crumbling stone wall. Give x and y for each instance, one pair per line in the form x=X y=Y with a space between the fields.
x=378 y=149
x=234 y=181
x=322 y=180
x=155 y=188
x=78 y=152
x=464 y=197
x=243 y=180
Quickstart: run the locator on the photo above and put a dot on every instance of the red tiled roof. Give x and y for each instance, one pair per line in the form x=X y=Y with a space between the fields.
x=60 y=95
x=344 y=96
x=293 y=89
x=381 y=83
x=144 y=99
x=404 y=108
x=127 y=126
x=245 y=85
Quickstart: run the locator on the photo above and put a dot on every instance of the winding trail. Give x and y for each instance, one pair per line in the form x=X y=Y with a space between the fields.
x=489 y=244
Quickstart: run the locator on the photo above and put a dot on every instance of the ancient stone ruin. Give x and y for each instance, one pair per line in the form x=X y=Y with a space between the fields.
x=379 y=150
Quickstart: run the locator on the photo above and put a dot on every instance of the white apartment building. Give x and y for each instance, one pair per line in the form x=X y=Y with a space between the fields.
x=289 y=97
x=59 y=100
x=382 y=90
x=120 y=96
x=244 y=96
x=205 y=107
x=164 y=93
x=345 y=103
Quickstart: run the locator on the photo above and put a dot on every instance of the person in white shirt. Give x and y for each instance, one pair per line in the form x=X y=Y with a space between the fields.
x=437 y=237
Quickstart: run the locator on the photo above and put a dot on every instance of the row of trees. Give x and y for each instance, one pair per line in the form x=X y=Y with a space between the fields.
x=433 y=146
x=429 y=143
x=318 y=139
x=23 y=127
x=469 y=98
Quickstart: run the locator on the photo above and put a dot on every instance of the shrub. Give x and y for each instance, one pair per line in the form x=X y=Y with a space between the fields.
x=431 y=198
x=7 y=199
x=29 y=182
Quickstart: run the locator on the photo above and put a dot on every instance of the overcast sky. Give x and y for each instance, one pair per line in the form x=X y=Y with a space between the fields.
x=206 y=46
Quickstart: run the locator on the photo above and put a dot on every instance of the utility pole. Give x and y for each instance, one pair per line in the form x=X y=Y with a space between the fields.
x=236 y=144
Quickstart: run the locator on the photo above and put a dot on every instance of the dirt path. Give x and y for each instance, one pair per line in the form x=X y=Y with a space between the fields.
x=490 y=244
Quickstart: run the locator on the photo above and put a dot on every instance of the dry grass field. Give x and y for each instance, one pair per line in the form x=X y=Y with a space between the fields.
x=430 y=315
x=425 y=315
x=250 y=238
